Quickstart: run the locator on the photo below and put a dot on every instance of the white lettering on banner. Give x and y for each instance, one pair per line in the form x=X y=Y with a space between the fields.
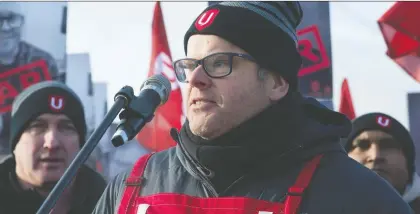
x=163 y=64
x=142 y=208
x=265 y=212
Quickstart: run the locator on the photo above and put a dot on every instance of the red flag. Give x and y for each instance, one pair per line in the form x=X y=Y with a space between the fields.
x=399 y=26
x=346 y=103
x=155 y=136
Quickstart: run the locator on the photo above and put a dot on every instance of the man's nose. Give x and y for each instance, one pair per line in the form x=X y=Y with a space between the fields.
x=199 y=79
x=5 y=26
x=51 y=139
x=375 y=154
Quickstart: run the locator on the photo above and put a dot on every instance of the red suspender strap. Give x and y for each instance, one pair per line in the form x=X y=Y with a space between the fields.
x=295 y=192
x=133 y=184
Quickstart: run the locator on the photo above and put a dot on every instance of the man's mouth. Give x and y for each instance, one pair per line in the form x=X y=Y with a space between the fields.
x=198 y=102
x=52 y=160
x=7 y=35
x=201 y=101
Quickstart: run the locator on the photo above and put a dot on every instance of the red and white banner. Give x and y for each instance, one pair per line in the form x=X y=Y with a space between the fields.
x=155 y=136
x=400 y=29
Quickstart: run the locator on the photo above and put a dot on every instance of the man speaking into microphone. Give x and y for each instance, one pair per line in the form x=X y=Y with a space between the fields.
x=251 y=143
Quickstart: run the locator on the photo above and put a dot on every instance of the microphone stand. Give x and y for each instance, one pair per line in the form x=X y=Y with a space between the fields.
x=121 y=100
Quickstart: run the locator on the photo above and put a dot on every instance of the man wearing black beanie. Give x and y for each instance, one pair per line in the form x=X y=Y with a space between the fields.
x=48 y=128
x=251 y=143
x=384 y=145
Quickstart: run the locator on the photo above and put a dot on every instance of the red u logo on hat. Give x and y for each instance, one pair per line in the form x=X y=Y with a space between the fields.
x=383 y=121
x=206 y=19
x=56 y=103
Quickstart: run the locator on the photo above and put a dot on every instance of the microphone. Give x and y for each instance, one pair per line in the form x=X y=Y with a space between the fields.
x=153 y=93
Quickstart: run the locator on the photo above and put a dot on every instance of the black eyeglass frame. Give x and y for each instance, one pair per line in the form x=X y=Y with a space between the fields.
x=198 y=62
x=20 y=18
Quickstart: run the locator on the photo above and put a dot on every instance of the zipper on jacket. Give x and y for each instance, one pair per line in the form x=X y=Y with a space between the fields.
x=197 y=170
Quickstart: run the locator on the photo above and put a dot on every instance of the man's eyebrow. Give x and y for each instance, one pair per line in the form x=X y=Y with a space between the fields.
x=37 y=120
x=67 y=121
x=374 y=138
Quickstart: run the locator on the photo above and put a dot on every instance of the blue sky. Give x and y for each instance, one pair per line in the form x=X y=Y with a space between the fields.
x=118 y=36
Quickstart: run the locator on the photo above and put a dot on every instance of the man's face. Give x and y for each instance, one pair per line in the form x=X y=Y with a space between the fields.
x=45 y=149
x=10 y=31
x=381 y=153
x=216 y=105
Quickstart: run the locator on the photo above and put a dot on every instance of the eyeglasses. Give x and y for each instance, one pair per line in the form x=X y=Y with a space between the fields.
x=217 y=65
x=13 y=20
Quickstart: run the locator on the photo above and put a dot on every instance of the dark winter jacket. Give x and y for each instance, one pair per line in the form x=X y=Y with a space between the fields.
x=265 y=161
x=14 y=200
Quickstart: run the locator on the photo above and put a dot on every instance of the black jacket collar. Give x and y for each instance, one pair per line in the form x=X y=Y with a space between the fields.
x=290 y=129
x=89 y=185
x=271 y=132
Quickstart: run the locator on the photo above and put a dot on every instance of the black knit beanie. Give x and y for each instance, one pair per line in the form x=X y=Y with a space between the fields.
x=46 y=97
x=265 y=30
x=388 y=124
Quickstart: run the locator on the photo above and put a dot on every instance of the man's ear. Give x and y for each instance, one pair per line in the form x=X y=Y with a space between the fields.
x=276 y=86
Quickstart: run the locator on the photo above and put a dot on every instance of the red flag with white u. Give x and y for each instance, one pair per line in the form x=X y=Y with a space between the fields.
x=155 y=136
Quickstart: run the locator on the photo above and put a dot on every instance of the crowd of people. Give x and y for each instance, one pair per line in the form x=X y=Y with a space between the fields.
x=251 y=141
